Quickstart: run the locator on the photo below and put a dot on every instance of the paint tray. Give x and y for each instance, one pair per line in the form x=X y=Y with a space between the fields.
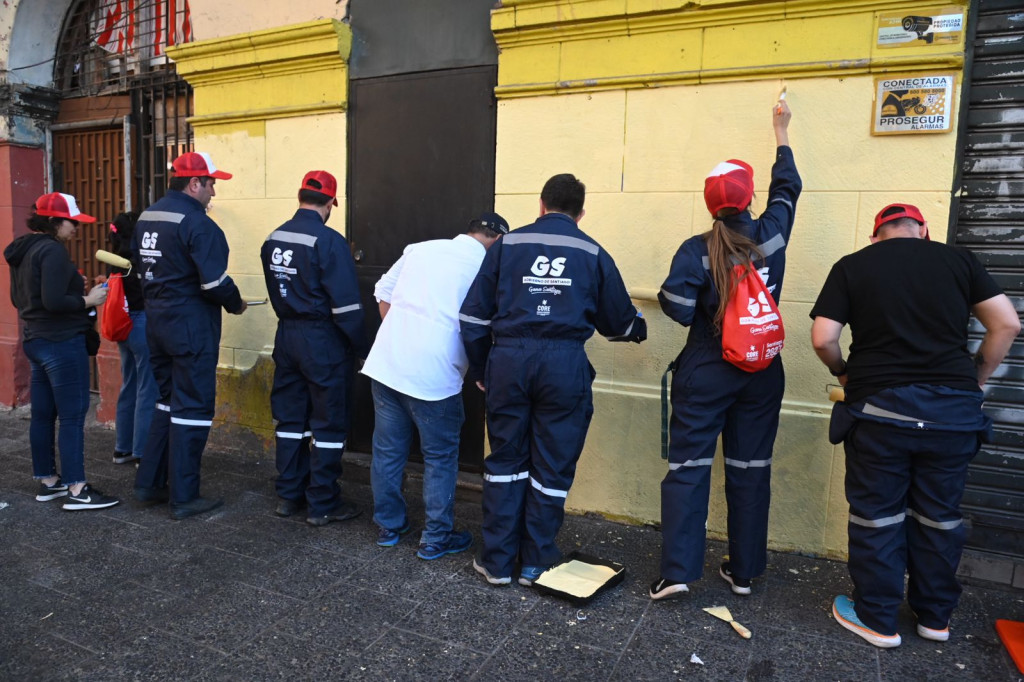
x=580 y=577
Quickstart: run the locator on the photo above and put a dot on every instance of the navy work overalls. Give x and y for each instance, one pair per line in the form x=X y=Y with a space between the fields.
x=182 y=259
x=907 y=451
x=312 y=284
x=542 y=290
x=710 y=396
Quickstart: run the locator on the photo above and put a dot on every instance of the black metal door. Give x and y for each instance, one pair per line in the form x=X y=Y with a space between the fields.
x=421 y=165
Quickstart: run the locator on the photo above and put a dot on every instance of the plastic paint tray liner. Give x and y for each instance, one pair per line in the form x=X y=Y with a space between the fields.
x=580 y=578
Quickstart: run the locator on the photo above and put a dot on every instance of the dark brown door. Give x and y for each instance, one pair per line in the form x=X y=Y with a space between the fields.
x=421 y=166
x=89 y=165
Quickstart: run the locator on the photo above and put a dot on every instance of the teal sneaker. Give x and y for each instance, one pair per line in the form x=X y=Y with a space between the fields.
x=530 y=574
x=846 y=615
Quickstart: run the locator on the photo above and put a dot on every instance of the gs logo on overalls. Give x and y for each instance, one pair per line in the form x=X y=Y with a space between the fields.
x=278 y=257
x=148 y=246
x=279 y=262
x=542 y=267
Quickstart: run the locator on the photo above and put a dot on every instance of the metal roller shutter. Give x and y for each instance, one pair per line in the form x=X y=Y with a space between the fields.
x=989 y=219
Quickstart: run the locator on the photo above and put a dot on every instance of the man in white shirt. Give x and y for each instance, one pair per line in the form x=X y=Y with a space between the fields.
x=417 y=365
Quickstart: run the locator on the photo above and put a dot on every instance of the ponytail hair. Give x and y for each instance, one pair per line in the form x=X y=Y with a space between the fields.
x=726 y=249
x=122 y=230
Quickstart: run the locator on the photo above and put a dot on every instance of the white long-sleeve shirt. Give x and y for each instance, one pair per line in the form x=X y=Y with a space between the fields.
x=418 y=350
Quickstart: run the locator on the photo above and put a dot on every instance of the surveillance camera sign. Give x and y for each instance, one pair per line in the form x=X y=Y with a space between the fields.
x=920 y=27
x=921 y=103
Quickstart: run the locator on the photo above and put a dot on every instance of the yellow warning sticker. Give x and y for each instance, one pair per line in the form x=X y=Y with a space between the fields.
x=921 y=103
x=929 y=26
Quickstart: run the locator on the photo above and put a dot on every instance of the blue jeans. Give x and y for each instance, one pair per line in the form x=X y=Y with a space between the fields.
x=439 y=423
x=138 y=390
x=59 y=389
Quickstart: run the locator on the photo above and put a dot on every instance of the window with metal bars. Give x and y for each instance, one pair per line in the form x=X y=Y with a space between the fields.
x=117 y=47
x=106 y=43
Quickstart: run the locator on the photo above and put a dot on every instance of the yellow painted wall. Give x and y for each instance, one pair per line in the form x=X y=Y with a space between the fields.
x=641 y=98
x=269 y=106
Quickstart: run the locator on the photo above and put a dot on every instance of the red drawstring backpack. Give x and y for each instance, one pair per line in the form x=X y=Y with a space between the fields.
x=752 y=331
x=115 y=323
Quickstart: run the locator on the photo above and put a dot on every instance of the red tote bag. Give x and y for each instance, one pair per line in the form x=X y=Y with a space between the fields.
x=115 y=323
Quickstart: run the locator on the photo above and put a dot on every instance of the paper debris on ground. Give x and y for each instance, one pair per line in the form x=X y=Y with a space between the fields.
x=694 y=658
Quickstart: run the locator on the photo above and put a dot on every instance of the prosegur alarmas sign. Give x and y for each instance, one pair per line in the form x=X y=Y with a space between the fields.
x=926 y=26
x=913 y=104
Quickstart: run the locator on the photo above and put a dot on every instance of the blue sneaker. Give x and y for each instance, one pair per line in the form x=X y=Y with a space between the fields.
x=456 y=542
x=389 y=538
x=530 y=573
x=846 y=615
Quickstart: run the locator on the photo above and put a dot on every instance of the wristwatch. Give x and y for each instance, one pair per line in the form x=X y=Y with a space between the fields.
x=841 y=372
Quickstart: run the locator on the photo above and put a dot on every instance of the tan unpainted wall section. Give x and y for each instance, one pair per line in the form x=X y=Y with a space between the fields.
x=212 y=19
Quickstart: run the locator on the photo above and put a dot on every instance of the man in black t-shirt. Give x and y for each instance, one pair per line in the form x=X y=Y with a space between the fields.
x=912 y=420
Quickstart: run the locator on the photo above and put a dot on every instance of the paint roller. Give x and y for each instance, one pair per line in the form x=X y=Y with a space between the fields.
x=113 y=259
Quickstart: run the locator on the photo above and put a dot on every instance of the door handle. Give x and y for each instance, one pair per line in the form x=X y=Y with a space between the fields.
x=357 y=255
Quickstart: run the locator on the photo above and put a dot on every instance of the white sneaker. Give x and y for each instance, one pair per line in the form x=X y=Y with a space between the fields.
x=934 y=635
x=490 y=578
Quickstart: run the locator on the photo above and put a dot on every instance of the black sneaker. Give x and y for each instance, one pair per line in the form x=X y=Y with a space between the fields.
x=199 y=505
x=739 y=585
x=51 y=492
x=89 y=498
x=125 y=457
x=343 y=512
x=667 y=589
x=148 y=496
x=286 y=508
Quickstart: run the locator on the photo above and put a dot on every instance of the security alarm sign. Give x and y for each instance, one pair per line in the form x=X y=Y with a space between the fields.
x=913 y=104
x=929 y=26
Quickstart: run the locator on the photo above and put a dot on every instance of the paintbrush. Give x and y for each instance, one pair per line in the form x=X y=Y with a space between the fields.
x=722 y=612
x=782 y=98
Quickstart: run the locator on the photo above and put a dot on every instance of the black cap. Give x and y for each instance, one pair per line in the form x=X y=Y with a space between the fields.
x=492 y=221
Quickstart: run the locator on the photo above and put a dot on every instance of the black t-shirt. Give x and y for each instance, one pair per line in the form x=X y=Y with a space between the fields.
x=908 y=302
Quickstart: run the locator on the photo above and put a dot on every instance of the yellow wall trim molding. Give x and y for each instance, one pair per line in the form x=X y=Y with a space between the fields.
x=298 y=70
x=775 y=71
x=267 y=113
x=554 y=46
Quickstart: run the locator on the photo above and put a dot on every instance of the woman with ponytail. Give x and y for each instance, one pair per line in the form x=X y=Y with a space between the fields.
x=139 y=391
x=712 y=397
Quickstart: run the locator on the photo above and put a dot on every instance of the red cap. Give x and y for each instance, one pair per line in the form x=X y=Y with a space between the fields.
x=57 y=205
x=325 y=184
x=895 y=212
x=730 y=185
x=197 y=165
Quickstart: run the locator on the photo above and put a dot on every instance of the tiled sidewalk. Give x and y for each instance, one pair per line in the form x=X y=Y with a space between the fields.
x=127 y=594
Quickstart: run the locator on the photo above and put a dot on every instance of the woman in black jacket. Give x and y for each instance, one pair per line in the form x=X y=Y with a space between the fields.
x=56 y=314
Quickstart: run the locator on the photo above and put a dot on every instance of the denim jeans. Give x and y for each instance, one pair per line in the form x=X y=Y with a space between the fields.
x=138 y=390
x=439 y=423
x=59 y=389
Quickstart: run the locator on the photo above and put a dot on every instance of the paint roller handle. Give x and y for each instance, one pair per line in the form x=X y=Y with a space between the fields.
x=113 y=259
x=743 y=632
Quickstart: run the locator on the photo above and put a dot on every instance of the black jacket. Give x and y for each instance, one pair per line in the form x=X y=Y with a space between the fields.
x=46 y=288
